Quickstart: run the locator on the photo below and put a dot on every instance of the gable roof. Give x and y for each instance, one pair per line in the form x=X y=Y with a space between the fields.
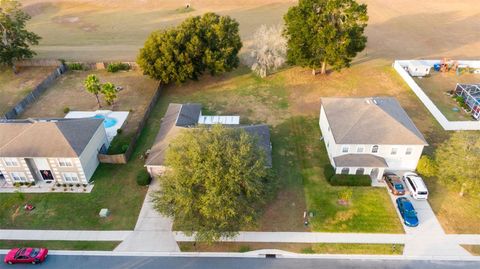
x=180 y=117
x=46 y=137
x=371 y=120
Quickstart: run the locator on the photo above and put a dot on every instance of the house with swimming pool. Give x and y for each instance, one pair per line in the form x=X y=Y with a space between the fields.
x=48 y=151
x=369 y=136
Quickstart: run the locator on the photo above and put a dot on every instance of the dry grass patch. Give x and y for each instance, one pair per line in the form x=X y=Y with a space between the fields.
x=305 y=248
x=14 y=87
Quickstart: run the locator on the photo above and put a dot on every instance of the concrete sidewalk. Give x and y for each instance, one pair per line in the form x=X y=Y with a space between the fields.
x=153 y=232
x=67 y=235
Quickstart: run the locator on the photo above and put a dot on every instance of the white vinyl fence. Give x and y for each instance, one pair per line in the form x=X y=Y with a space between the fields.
x=444 y=122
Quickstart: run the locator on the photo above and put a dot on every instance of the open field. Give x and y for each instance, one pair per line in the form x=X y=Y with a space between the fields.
x=60 y=245
x=69 y=92
x=320 y=248
x=437 y=84
x=14 y=87
x=94 y=30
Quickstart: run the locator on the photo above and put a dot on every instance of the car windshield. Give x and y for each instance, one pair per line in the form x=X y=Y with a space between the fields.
x=34 y=252
x=20 y=252
x=422 y=192
x=399 y=186
x=410 y=213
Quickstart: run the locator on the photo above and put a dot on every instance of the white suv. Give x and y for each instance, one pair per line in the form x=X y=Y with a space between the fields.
x=416 y=186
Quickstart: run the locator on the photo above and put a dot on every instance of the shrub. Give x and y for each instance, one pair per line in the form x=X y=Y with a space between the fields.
x=115 y=67
x=75 y=66
x=66 y=109
x=119 y=131
x=426 y=166
x=143 y=178
x=328 y=171
x=78 y=185
x=244 y=249
x=125 y=148
x=350 y=180
x=308 y=250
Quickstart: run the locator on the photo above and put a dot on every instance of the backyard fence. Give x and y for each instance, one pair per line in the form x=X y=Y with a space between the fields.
x=123 y=158
x=437 y=114
x=36 y=92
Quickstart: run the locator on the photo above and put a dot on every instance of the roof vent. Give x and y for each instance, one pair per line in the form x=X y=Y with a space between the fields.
x=367 y=101
x=374 y=101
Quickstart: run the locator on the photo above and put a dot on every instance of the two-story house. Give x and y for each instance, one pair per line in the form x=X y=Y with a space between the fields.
x=50 y=150
x=369 y=136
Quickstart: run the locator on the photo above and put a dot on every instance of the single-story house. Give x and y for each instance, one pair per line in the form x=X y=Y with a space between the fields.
x=369 y=136
x=50 y=150
x=184 y=116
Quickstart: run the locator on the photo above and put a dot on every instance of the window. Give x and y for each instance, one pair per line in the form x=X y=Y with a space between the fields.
x=18 y=177
x=345 y=149
x=62 y=162
x=408 y=151
x=345 y=171
x=360 y=149
x=394 y=151
x=70 y=177
x=10 y=161
x=375 y=149
x=360 y=171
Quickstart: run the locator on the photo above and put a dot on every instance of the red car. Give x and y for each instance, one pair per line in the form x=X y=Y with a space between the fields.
x=26 y=255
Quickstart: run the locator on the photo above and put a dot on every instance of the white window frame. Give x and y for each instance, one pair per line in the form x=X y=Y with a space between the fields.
x=64 y=162
x=394 y=151
x=408 y=151
x=345 y=149
x=360 y=149
x=11 y=162
x=18 y=176
x=375 y=148
x=70 y=177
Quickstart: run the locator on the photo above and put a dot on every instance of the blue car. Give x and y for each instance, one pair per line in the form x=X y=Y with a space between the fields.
x=407 y=211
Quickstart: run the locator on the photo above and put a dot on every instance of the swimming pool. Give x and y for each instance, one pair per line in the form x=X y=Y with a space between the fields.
x=107 y=121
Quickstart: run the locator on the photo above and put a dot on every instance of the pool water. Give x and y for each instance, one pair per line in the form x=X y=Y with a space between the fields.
x=107 y=122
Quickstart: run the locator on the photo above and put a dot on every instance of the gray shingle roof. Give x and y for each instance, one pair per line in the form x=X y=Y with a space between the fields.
x=170 y=128
x=359 y=160
x=262 y=132
x=189 y=114
x=371 y=120
x=46 y=137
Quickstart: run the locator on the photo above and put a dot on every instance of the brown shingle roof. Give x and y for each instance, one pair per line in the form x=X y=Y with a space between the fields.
x=372 y=120
x=47 y=137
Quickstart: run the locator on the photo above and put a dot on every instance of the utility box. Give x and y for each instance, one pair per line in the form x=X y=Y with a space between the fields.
x=104 y=212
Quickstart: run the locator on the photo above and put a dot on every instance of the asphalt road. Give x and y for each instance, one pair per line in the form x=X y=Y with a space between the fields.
x=124 y=262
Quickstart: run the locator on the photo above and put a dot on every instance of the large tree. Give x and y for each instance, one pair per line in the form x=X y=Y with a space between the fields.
x=208 y=43
x=268 y=50
x=215 y=181
x=15 y=40
x=457 y=161
x=321 y=32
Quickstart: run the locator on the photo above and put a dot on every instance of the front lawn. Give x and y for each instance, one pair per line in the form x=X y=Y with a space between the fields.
x=61 y=245
x=303 y=248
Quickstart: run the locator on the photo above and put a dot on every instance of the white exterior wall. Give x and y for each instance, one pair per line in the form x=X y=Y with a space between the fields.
x=400 y=161
x=89 y=157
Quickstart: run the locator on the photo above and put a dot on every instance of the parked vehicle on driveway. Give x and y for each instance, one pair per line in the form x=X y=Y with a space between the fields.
x=416 y=186
x=394 y=183
x=407 y=212
x=26 y=255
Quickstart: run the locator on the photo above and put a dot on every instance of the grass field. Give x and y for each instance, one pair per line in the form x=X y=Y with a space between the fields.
x=436 y=85
x=320 y=248
x=14 y=87
x=61 y=245
x=69 y=92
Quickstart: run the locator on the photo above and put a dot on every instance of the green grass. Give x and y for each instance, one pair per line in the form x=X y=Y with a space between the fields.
x=304 y=156
x=304 y=248
x=61 y=245
x=120 y=143
x=115 y=188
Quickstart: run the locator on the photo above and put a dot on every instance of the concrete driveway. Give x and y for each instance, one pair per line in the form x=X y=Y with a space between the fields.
x=428 y=238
